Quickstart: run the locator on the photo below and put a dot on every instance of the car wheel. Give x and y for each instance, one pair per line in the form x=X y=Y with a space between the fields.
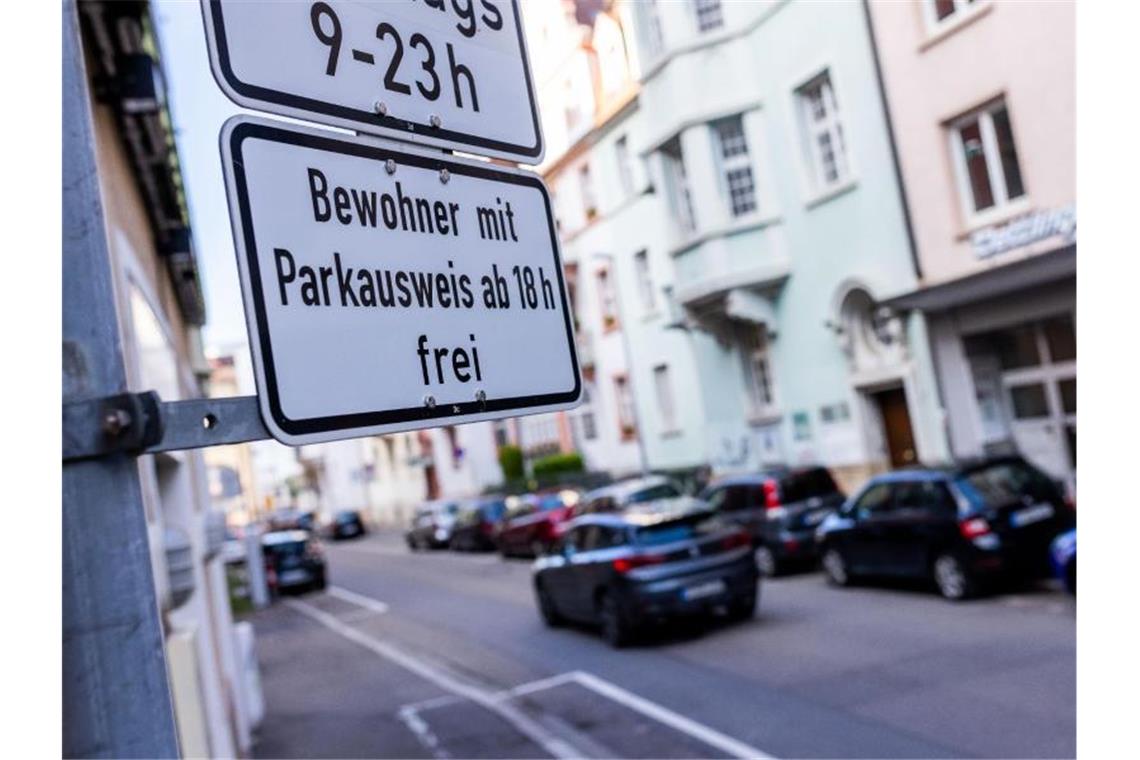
x=835 y=567
x=952 y=577
x=766 y=562
x=616 y=628
x=546 y=607
x=744 y=606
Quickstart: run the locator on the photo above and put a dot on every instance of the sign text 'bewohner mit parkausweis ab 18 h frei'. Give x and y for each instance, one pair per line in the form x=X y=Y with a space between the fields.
x=391 y=289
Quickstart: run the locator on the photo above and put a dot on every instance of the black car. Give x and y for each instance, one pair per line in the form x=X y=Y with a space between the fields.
x=346 y=524
x=959 y=526
x=432 y=525
x=780 y=508
x=650 y=562
x=293 y=560
x=475 y=526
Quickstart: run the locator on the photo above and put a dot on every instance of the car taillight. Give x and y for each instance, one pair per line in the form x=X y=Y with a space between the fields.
x=1071 y=503
x=771 y=494
x=735 y=541
x=974 y=527
x=625 y=564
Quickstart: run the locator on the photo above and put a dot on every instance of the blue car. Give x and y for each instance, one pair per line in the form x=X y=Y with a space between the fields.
x=1063 y=552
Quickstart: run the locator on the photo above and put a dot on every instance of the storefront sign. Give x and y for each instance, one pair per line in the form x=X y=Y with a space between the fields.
x=1024 y=230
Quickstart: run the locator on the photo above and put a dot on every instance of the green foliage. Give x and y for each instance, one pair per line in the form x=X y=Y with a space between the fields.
x=511 y=460
x=558 y=463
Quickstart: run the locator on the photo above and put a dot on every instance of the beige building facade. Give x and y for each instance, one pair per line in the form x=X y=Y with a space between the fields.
x=982 y=103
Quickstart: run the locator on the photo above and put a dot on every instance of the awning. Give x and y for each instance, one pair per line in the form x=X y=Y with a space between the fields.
x=1018 y=275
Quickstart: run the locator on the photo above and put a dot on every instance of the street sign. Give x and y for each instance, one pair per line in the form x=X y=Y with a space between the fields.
x=390 y=289
x=438 y=72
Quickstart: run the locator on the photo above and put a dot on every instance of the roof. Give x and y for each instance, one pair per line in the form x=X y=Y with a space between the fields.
x=755 y=478
x=648 y=513
x=284 y=537
x=624 y=488
x=942 y=471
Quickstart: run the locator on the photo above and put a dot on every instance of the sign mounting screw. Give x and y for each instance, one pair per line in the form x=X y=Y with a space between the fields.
x=481 y=397
x=435 y=121
x=444 y=176
x=380 y=108
x=390 y=166
x=429 y=401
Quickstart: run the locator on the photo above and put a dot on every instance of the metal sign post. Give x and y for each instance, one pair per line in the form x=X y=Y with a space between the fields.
x=116 y=699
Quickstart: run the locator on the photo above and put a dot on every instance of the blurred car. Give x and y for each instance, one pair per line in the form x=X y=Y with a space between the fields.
x=432 y=525
x=233 y=550
x=291 y=519
x=618 y=496
x=477 y=523
x=346 y=523
x=780 y=508
x=960 y=526
x=533 y=522
x=1063 y=553
x=645 y=564
x=294 y=559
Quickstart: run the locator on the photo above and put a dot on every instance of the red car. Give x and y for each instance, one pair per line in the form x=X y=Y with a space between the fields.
x=532 y=522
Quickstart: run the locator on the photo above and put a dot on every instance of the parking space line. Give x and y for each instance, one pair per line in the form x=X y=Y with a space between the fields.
x=520 y=721
x=410 y=717
x=358 y=599
x=662 y=714
x=532 y=686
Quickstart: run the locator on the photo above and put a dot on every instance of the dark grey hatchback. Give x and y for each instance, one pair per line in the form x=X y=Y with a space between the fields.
x=781 y=508
x=648 y=563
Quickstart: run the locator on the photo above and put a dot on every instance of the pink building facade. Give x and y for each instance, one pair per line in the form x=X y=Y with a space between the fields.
x=982 y=103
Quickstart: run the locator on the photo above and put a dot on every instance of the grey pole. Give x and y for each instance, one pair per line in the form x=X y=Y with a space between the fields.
x=116 y=697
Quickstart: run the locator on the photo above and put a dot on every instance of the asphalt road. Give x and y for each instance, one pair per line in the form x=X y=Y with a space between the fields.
x=444 y=655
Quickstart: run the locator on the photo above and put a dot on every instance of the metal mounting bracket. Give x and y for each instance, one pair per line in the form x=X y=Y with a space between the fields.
x=142 y=423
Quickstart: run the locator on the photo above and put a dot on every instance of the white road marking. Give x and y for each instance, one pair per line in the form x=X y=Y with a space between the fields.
x=358 y=599
x=411 y=718
x=386 y=551
x=522 y=723
x=662 y=714
x=532 y=686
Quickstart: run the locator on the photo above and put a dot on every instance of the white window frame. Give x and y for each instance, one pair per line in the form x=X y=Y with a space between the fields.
x=590 y=209
x=653 y=33
x=680 y=196
x=645 y=287
x=711 y=8
x=755 y=351
x=1003 y=205
x=831 y=123
x=739 y=161
x=666 y=399
x=624 y=165
x=962 y=9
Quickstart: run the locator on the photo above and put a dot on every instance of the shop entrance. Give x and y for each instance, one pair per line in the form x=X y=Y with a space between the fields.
x=1035 y=369
x=896 y=426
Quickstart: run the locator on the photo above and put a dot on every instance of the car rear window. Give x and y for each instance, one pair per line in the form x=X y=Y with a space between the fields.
x=663 y=491
x=999 y=484
x=676 y=530
x=799 y=486
x=289 y=549
x=547 y=503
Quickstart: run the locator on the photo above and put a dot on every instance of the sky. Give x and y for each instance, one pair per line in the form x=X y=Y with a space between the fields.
x=198 y=109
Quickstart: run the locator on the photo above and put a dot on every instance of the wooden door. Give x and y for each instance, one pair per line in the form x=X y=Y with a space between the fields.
x=896 y=426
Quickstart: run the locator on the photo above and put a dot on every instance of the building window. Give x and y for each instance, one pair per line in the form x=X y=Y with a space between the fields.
x=607 y=299
x=666 y=409
x=710 y=15
x=624 y=165
x=680 y=199
x=733 y=150
x=758 y=379
x=644 y=281
x=938 y=11
x=989 y=175
x=823 y=133
x=586 y=416
x=652 y=33
x=627 y=416
x=589 y=202
x=502 y=435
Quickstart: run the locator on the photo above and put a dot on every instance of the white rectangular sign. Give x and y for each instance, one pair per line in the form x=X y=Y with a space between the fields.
x=390 y=289
x=447 y=73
